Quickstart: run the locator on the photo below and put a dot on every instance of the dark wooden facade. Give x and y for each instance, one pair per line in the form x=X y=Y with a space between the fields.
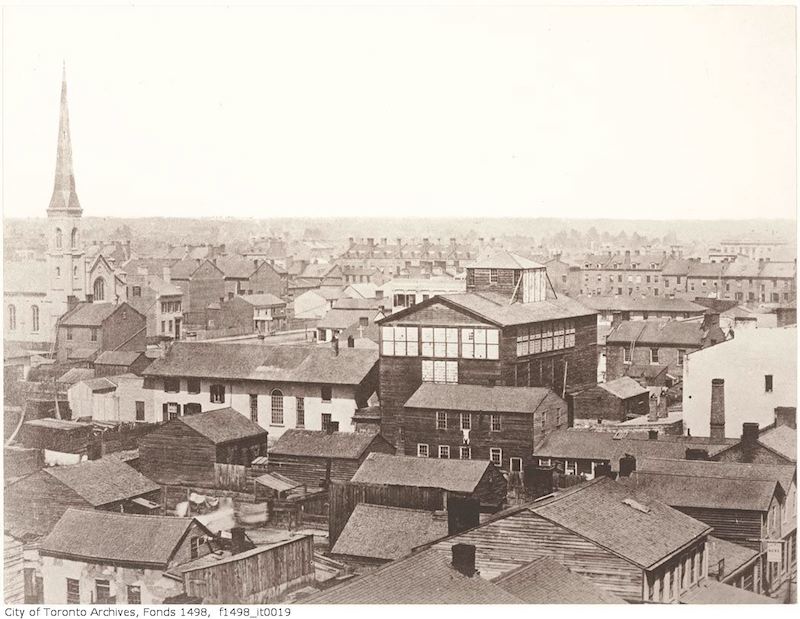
x=598 y=403
x=124 y=329
x=204 y=286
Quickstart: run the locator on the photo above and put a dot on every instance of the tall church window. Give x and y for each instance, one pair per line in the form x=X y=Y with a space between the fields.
x=58 y=272
x=75 y=271
x=35 y=318
x=74 y=238
x=59 y=241
x=99 y=289
x=12 y=317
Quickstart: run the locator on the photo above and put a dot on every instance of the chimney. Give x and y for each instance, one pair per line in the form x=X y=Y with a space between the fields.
x=166 y=274
x=652 y=412
x=90 y=298
x=464 y=559
x=694 y=453
x=710 y=319
x=652 y=435
x=335 y=346
x=399 y=242
x=786 y=416
x=383 y=241
x=452 y=242
x=616 y=318
x=371 y=242
x=717 y=408
x=721 y=569
x=351 y=240
x=627 y=253
x=462 y=513
x=237 y=540
x=94 y=451
x=749 y=440
x=627 y=465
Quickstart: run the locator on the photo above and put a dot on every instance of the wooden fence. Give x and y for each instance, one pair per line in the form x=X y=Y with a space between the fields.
x=344 y=497
x=231 y=477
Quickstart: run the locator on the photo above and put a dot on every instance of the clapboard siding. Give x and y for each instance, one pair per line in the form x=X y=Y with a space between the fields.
x=13 y=572
x=177 y=455
x=505 y=544
x=739 y=526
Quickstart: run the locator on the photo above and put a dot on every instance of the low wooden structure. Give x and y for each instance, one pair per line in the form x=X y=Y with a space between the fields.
x=617 y=400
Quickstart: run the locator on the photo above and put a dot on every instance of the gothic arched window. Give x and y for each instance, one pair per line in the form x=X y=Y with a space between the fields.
x=35 y=318
x=74 y=238
x=12 y=317
x=99 y=289
x=59 y=241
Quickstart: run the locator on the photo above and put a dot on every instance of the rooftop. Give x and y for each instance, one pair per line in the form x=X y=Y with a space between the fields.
x=710 y=591
x=103 y=481
x=640 y=304
x=263 y=300
x=89 y=314
x=388 y=533
x=690 y=333
x=223 y=425
x=734 y=555
x=480 y=398
x=117 y=357
x=623 y=388
x=320 y=444
x=782 y=440
x=501 y=259
x=450 y=475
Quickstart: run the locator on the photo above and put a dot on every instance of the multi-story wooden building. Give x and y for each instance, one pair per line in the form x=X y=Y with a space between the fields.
x=509 y=328
x=90 y=328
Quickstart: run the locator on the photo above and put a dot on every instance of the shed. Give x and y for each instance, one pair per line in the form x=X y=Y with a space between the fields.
x=111 y=362
x=315 y=458
x=202 y=449
x=56 y=435
x=616 y=400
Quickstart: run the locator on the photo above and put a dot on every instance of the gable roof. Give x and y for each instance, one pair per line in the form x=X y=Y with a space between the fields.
x=633 y=526
x=710 y=591
x=117 y=538
x=502 y=259
x=388 y=533
x=91 y=314
x=264 y=299
x=546 y=581
x=103 y=481
x=689 y=333
x=452 y=475
x=222 y=425
x=236 y=267
x=480 y=398
x=624 y=388
x=265 y=362
x=100 y=384
x=640 y=304
x=184 y=269
x=321 y=444
x=117 y=357
x=423 y=578
x=76 y=375
x=734 y=555
x=344 y=318
x=782 y=440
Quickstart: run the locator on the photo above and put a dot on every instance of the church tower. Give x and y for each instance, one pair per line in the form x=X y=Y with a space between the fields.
x=65 y=255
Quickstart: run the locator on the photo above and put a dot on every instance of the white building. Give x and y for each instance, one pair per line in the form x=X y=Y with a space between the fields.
x=401 y=293
x=277 y=386
x=759 y=367
x=120 y=398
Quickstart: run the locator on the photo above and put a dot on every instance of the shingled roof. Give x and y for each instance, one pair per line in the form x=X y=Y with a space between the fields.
x=782 y=440
x=689 y=333
x=481 y=398
x=103 y=481
x=451 y=475
x=265 y=362
x=388 y=533
x=91 y=314
x=623 y=388
x=320 y=444
x=223 y=425
x=125 y=538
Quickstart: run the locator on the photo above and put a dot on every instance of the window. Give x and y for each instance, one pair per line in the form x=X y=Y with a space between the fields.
x=626 y=354
x=692 y=574
x=74 y=238
x=163 y=326
x=496 y=456
x=193 y=385
x=172 y=385
x=217 y=394
x=73 y=591
x=93 y=334
x=74 y=271
x=466 y=421
x=495 y=423
x=58 y=272
x=515 y=464
x=681 y=355
x=422 y=450
x=478 y=344
x=192 y=408
x=102 y=590
x=137 y=291
x=173 y=410
x=254 y=407
x=440 y=371
x=300 y=404
x=444 y=451
x=139 y=410
x=654 y=355
x=35 y=318
x=400 y=341
x=326 y=420
x=363 y=321
x=465 y=453
x=134 y=594
x=768 y=383
x=441 y=421
x=194 y=547
x=492 y=276
x=59 y=239
x=99 y=289
x=277 y=407
x=439 y=342
x=326 y=392
x=12 y=317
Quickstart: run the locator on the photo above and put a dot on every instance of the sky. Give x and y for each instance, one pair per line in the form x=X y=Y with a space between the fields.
x=629 y=112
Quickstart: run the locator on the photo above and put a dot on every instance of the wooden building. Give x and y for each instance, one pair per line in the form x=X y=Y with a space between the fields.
x=317 y=458
x=112 y=362
x=734 y=564
x=123 y=560
x=509 y=328
x=200 y=449
x=88 y=329
x=33 y=504
x=616 y=400
x=501 y=424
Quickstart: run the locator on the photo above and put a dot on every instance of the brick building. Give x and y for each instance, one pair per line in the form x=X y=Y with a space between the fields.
x=509 y=328
x=631 y=273
x=202 y=283
x=90 y=328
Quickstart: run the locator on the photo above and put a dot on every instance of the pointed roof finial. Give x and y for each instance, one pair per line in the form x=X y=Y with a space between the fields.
x=64 y=196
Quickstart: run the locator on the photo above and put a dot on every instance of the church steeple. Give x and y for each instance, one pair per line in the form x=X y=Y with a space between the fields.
x=65 y=199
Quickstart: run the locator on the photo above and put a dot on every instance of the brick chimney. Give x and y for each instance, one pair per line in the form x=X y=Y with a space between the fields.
x=710 y=319
x=749 y=440
x=627 y=465
x=717 y=408
x=464 y=559
x=237 y=540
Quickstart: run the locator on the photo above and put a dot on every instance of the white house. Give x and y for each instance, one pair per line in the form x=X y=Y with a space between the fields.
x=401 y=293
x=118 y=399
x=759 y=367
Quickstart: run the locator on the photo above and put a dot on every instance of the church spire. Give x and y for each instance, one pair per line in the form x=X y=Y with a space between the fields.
x=64 y=196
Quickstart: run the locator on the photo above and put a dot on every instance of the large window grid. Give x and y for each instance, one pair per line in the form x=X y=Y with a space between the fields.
x=439 y=371
x=544 y=337
x=440 y=342
x=400 y=341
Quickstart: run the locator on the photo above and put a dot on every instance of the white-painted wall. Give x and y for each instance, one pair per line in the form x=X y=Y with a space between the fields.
x=742 y=362
x=117 y=406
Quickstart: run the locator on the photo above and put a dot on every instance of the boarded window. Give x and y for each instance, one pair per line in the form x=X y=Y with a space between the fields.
x=134 y=594
x=172 y=385
x=326 y=392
